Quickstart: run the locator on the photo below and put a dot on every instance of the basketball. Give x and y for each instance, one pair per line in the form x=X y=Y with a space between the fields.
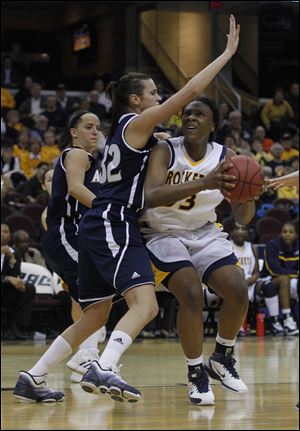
x=249 y=178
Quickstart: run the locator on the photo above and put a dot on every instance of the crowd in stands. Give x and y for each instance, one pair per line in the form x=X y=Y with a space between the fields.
x=31 y=123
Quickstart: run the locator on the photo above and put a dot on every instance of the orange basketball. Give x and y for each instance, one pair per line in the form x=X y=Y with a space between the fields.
x=249 y=180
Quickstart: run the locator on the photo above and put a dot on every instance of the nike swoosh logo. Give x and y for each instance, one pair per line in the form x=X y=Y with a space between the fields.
x=218 y=372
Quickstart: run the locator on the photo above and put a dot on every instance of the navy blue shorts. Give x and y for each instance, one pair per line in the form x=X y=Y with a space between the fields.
x=112 y=256
x=60 y=248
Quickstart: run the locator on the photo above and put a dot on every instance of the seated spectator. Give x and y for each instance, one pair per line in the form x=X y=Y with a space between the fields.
x=9 y=162
x=30 y=160
x=10 y=76
x=236 y=128
x=50 y=150
x=276 y=115
x=95 y=106
x=288 y=150
x=261 y=156
x=281 y=264
x=55 y=114
x=15 y=294
x=32 y=106
x=14 y=126
x=40 y=126
x=32 y=189
x=276 y=161
x=260 y=133
x=102 y=98
x=29 y=254
x=24 y=91
x=22 y=146
x=224 y=111
x=230 y=142
x=65 y=102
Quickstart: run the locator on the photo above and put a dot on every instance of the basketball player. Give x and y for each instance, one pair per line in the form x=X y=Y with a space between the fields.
x=110 y=242
x=187 y=247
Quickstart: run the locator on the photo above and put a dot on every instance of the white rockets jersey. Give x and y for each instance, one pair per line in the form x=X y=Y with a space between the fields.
x=194 y=211
x=246 y=257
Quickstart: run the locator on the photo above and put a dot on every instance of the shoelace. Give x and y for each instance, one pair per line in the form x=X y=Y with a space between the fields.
x=202 y=382
x=229 y=363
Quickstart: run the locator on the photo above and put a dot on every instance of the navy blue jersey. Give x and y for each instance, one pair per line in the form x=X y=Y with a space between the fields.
x=280 y=260
x=61 y=203
x=123 y=169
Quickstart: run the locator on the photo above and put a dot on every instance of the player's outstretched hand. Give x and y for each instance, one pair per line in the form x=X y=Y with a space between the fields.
x=233 y=36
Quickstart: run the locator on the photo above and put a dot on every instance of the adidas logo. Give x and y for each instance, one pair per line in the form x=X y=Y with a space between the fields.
x=118 y=340
x=135 y=275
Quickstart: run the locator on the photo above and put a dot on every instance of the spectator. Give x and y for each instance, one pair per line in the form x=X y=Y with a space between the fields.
x=40 y=126
x=33 y=106
x=10 y=77
x=288 y=150
x=56 y=115
x=9 y=162
x=15 y=294
x=288 y=192
x=276 y=151
x=95 y=107
x=29 y=254
x=258 y=152
x=32 y=189
x=236 y=128
x=32 y=158
x=7 y=101
x=24 y=91
x=13 y=125
x=68 y=104
x=224 y=111
x=50 y=150
x=260 y=133
x=230 y=142
x=22 y=145
x=276 y=115
x=282 y=265
x=102 y=98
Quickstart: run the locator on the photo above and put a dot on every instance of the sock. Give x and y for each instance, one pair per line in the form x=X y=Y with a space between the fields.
x=118 y=342
x=272 y=305
x=286 y=312
x=275 y=318
x=223 y=346
x=194 y=364
x=58 y=351
x=91 y=343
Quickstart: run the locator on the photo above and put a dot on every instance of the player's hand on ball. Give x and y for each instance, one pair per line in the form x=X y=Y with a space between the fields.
x=219 y=179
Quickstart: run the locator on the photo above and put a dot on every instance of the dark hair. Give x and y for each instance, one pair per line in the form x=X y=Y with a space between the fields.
x=119 y=92
x=215 y=111
x=44 y=174
x=65 y=138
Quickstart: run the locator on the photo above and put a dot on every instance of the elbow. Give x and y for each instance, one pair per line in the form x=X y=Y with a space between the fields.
x=72 y=192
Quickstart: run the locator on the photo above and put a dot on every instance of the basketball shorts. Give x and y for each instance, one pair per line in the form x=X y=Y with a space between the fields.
x=112 y=256
x=205 y=249
x=60 y=248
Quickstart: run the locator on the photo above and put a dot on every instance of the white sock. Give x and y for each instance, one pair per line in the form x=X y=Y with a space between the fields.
x=286 y=311
x=118 y=342
x=225 y=342
x=195 y=361
x=91 y=343
x=58 y=351
x=272 y=305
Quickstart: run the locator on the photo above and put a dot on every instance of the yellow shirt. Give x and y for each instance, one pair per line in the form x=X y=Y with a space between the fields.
x=49 y=153
x=288 y=192
x=286 y=155
x=271 y=112
x=29 y=163
x=7 y=100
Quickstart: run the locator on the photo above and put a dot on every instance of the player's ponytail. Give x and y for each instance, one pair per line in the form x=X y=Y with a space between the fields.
x=119 y=93
x=65 y=137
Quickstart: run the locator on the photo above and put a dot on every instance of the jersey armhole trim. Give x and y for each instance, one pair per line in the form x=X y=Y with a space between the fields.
x=223 y=153
x=172 y=153
x=135 y=150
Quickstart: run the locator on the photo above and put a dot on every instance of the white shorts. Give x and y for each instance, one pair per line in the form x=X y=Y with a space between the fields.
x=205 y=249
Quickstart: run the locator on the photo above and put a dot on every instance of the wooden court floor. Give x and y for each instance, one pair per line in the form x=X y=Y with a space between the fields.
x=268 y=365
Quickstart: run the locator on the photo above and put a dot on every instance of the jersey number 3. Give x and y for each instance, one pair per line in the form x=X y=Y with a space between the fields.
x=189 y=203
x=109 y=174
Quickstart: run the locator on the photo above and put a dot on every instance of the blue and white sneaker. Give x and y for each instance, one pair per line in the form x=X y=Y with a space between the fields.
x=108 y=381
x=199 y=388
x=222 y=368
x=27 y=389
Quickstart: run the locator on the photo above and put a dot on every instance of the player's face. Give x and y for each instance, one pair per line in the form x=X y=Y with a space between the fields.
x=197 y=121
x=87 y=131
x=150 y=95
x=238 y=236
x=288 y=234
x=48 y=181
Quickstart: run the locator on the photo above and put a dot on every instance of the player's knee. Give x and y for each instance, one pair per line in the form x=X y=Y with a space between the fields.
x=238 y=294
x=151 y=312
x=192 y=298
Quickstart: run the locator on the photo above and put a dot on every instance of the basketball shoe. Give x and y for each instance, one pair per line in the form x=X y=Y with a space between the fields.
x=222 y=367
x=98 y=380
x=81 y=361
x=199 y=388
x=290 y=326
x=27 y=389
x=276 y=328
